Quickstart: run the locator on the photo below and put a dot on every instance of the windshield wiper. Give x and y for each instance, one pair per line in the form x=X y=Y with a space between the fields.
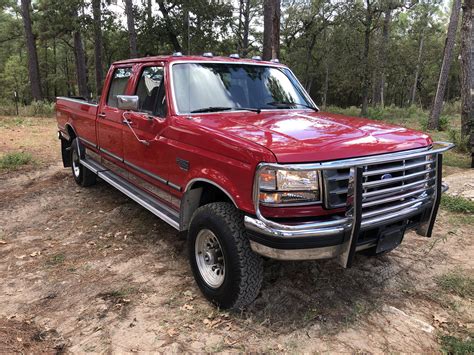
x=212 y=109
x=287 y=104
x=219 y=108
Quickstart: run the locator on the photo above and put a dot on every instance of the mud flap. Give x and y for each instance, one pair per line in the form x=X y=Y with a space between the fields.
x=65 y=152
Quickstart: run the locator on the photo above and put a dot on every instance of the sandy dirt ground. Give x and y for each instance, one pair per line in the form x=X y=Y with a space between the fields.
x=89 y=270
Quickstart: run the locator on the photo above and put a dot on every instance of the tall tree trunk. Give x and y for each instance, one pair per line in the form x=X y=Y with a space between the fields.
x=46 y=70
x=271 y=29
x=132 y=33
x=33 y=67
x=365 y=60
x=55 y=68
x=169 y=27
x=246 y=28
x=433 y=121
x=99 y=71
x=417 y=69
x=466 y=67
x=380 y=98
x=81 y=69
x=326 y=84
x=149 y=14
x=309 y=51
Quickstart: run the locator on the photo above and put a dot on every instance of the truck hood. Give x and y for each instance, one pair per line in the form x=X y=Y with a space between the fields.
x=303 y=136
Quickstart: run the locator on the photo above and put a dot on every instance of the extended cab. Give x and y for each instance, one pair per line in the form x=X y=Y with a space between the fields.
x=236 y=153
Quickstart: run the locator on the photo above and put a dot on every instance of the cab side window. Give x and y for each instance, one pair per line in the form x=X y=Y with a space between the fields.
x=118 y=85
x=151 y=91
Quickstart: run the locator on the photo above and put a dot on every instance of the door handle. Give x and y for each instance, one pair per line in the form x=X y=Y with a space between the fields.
x=101 y=115
x=129 y=124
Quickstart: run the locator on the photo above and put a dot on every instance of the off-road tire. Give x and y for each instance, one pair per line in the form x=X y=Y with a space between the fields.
x=243 y=268
x=83 y=176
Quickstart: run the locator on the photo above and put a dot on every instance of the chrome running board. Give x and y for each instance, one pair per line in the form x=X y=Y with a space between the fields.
x=142 y=198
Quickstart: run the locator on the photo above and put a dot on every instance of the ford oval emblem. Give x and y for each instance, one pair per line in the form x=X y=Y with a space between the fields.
x=386 y=176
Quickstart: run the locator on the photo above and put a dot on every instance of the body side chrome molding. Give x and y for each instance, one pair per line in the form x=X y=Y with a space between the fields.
x=145 y=172
x=110 y=154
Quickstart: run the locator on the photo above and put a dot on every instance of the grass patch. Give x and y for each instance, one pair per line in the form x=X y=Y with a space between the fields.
x=56 y=259
x=11 y=122
x=457 y=284
x=11 y=161
x=457 y=204
x=461 y=219
x=454 y=345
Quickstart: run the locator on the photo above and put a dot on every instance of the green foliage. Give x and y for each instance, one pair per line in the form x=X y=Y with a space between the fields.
x=12 y=161
x=36 y=108
x=40 y=108
x=457 y=284
x=462 y=143
x=457 y=204
x=455 y=345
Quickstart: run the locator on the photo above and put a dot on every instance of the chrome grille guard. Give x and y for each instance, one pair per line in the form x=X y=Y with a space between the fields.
x=354 y=219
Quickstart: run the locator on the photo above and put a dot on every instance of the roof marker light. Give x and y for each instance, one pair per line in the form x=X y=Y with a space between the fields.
x=208 y=54
x=234 y=56
x=256 y=57
x=275 y=60
x=177 y=54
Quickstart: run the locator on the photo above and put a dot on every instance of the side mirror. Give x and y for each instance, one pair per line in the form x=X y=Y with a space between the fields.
x=127 y=102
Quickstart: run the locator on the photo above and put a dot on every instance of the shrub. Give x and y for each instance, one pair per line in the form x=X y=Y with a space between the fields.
x=7 y=108
x=462 y=143
x=37 y=108
x=40 y=108
x=11 y=161
x=452 y=108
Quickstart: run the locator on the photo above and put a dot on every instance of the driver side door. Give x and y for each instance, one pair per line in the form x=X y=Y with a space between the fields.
x=145 y=159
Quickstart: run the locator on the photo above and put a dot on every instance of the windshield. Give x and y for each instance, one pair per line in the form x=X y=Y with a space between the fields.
x=207 y=87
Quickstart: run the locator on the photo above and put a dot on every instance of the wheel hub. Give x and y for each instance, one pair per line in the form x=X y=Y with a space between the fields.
x=210 y=258
x=75 y=163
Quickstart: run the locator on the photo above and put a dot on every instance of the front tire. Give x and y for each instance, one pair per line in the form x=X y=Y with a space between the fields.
x=83 y=176
x=225 y=268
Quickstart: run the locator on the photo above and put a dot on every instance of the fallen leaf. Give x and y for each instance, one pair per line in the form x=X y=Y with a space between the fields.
x=186 y=307
x=3 y=242
x=20 y=257
x=439 y=320
x=19 y=339
x=35 y=253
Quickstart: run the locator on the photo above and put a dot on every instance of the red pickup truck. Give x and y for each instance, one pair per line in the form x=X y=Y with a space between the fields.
x=236 y=153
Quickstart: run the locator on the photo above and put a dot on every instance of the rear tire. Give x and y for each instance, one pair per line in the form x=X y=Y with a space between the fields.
x=83 y=176
x=225 y=268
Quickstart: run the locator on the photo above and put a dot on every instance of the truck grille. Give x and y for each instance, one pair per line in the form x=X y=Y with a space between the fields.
x=387 y=187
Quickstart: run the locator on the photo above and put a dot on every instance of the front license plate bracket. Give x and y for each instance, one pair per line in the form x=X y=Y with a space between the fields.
x=390 y=239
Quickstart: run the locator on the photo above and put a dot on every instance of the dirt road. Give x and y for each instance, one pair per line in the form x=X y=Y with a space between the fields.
x=89 y=270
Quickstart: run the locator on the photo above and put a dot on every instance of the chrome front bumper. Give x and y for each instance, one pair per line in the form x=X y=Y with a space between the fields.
x=347 y=228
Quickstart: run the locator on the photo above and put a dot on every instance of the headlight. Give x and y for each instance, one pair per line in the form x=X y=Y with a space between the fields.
x=279 y=187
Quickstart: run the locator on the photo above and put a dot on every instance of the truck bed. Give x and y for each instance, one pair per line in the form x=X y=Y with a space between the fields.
x=80 y=113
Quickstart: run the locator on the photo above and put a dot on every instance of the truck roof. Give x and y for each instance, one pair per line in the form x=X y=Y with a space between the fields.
x=197 y=58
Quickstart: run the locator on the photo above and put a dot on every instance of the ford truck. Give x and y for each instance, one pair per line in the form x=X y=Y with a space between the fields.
x=235 y=153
